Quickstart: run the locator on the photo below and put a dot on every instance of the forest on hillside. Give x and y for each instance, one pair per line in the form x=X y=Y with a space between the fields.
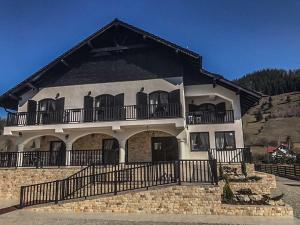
x=272 y=81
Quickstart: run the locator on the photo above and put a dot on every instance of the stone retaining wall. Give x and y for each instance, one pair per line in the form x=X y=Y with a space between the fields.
x=185 y=199
x=263 y=186
x=11 y=180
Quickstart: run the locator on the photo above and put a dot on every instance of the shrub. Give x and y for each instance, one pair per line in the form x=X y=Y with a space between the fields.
x=227 y=192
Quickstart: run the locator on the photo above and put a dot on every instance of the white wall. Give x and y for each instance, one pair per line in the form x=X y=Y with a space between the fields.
x=74 y=94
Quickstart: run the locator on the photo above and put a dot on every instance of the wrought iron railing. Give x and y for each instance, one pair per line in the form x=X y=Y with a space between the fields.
x=235 y=155
x=210 y=117
x=94 y=180
x=116 y=113
x=51 y=158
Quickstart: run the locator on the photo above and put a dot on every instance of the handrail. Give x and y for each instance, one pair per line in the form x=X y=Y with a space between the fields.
x=91 y=182
x=210 y=117
x=235 y=155
x=97 y=114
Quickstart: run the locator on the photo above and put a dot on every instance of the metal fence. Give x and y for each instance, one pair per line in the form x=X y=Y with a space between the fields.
x=288 y=171
x=113 y=179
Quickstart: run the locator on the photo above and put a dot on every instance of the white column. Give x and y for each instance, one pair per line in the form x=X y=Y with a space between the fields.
x=68 y=153
x=122 y=146
x=20 y=155
x=181 y=148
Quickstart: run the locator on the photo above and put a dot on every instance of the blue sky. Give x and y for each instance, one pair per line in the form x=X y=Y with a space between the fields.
x=234 y=37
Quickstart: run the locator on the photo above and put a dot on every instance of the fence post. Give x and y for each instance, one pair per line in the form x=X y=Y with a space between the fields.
x=22 y=198
x=295 y=173
x=115 y=182
x=178 y=172
x=56 y=191
x=214 y=171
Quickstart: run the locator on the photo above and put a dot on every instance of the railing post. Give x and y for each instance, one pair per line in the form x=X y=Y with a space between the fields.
x=56 y=191
x=115 y=182
x=22 y=203
x=178 y=172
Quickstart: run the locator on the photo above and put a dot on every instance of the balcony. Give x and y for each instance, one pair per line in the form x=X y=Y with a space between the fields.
x=99 y=114
x=210 y=117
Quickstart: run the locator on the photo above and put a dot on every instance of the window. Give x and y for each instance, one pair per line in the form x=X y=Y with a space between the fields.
x=159 y=97
x=104 y=101
x=47 y=105
x=199 y=141
x=225 y=140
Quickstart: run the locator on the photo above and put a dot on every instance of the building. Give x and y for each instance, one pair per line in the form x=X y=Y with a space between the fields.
x=124 y=95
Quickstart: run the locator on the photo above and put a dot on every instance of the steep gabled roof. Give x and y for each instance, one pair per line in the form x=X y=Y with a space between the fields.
x=10 y=98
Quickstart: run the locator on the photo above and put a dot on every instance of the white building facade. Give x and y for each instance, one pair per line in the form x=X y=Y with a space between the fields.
x=124 y=95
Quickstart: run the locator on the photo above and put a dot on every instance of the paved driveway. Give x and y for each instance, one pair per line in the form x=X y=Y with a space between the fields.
x=24 y=217
x=291 y=191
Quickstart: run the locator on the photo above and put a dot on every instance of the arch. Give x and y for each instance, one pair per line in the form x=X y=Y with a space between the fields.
x=26 y=141
x=75 y=138
x=140 y=146
x=170 y=132
x=217 y=94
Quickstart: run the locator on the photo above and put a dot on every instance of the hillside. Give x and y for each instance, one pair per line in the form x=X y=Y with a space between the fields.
x=272 y=81
x=275 y=119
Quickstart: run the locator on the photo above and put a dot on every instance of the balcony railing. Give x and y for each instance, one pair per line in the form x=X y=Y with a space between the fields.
x=210 y=117
x=131 y=112
x=41 y=159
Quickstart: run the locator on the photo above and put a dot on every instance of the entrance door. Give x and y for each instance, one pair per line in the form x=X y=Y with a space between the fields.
x=110 y=151
x=164 y=149
x=57 y=153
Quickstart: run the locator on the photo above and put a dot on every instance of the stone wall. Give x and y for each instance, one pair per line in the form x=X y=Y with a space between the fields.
x=185 y=199
x=139 y=146
x=91 y=141
x=263 y=186
x=249 y=167
x=40 y=143
x=11 y=180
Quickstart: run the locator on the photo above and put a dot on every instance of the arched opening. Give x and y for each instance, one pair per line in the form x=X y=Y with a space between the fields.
x=97 y=148
x=44 y=150
x=151 y=146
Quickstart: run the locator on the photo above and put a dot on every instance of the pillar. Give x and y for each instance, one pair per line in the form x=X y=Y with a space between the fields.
x=20 y=155
x=122 y=152
x=68 y=153
x=181 y=148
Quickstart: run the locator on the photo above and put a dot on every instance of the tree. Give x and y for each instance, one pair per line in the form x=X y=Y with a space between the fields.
x=272 y=81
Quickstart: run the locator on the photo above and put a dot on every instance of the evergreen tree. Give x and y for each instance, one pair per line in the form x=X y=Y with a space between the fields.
x=272 y=81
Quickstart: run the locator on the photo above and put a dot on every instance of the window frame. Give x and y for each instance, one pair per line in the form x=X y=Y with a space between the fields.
x=191 y=145
x=159 y=93
x=223 y=132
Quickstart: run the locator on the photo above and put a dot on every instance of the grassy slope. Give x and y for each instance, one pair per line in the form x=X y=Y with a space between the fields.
x=279 y=120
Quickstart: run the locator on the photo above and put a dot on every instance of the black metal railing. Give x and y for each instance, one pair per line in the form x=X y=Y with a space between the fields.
x=117 y=113
x=235 y=155
x=288 y=171
x=210 y=117
x=113 y=179
x=51 y=158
